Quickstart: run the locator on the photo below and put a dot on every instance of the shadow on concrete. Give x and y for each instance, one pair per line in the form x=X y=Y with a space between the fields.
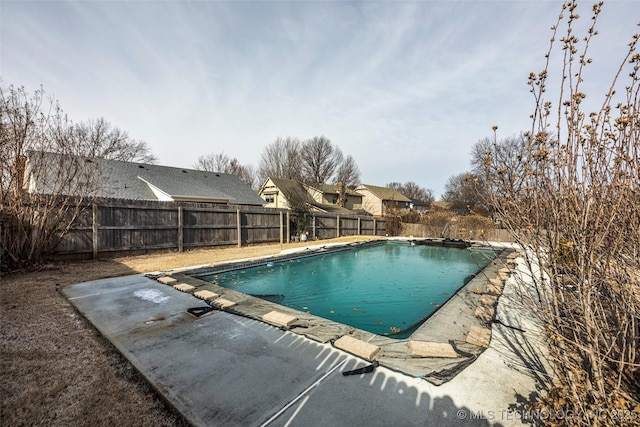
x=519 y=332
x=379 y=398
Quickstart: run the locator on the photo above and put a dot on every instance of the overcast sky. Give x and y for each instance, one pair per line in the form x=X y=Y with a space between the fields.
x=405 y=87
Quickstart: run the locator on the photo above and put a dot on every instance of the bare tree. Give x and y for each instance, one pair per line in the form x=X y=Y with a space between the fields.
x=246 y=173
x=320 y=160
x=314 y=161
x=465 y=192
x=413 y=191
x=33 y=224
x=281 y=159
x=394 y=185
x=43 y=151
x=98 y=138
x=501 y=163
x=578 y=216
x=348 y=172
x=220 y=162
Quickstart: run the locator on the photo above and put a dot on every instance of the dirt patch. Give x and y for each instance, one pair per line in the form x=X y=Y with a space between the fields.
x=56 y=369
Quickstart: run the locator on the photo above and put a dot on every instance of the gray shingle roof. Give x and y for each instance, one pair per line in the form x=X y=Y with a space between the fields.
x=136 y=181
x=292 y=189
x=295 y=190
x=333 y=189
x=334 y=209
x=385 y=193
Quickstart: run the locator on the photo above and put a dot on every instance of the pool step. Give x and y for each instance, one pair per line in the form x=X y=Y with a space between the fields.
x=495 y=286
x=485 y=313
x=184 y=287
x=167 y=280
x=205 y=295
x=357 y=347
x=431 y=349
x=223 y=303
x=279 y=319
x=488 y=300
x=479 y=336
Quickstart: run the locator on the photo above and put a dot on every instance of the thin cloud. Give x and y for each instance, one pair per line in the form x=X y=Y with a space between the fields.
x=406 y=88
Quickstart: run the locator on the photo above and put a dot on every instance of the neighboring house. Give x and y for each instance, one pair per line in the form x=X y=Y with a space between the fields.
x=419 y=205
x=379 y=200
x=138 y=181
x=284 y=193
x=292 y=194
x=327 y=194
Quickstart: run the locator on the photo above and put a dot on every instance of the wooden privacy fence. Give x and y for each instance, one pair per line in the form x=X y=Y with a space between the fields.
x=133 y=226
x=455 y=232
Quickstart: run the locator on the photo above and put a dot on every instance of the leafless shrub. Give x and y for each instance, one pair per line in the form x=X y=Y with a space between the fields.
x=448 y=224
x=435 y=222
x=473 y=227
x=32 y=224
x=580 y=212
x=409 y=216
x=47 y=171
x=393 y=222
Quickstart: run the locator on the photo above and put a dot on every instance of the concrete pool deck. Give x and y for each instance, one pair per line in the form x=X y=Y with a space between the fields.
x=226 y=369
x=446 y=331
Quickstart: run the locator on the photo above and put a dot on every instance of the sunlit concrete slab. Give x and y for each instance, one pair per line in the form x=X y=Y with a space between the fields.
x=219 y=369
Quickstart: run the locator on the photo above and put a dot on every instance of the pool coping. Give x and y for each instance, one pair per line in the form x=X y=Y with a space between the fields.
x=451 y=324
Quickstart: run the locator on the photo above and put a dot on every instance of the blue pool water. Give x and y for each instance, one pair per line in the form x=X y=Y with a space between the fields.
x=387 y=289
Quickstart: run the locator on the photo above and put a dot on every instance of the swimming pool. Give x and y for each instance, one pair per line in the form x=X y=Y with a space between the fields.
x=385 y=288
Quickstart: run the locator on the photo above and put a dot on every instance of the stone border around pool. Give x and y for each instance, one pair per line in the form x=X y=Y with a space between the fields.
x=460 y=327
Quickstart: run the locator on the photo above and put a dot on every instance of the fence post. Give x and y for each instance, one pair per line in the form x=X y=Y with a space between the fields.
x=337 y=225
x=288 y=228
x=95 y=237
x=281 y=229
x=375 y=232
x=180 y=230
x=359 y=227
x=315 y=236
x=239 y=227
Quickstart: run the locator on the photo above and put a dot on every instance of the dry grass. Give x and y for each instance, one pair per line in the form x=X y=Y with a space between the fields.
x=56 y=369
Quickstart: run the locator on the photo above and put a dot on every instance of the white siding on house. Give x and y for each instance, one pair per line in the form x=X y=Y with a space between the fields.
x=370 y=202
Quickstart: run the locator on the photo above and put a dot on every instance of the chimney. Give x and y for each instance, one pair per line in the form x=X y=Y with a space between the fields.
x=341 y=194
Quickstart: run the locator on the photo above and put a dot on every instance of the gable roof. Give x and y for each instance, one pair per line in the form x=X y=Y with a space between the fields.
x=420 y=203
x=333 y=189
x=384 y=193
x=335 y=209
x=292 y=189
x=296 y=190
x=139 y=181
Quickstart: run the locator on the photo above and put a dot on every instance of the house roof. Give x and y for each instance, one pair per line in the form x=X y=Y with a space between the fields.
x=139 y=181
x=384 y=193
x=335 y=209
x=292 y=189
x=333 y=189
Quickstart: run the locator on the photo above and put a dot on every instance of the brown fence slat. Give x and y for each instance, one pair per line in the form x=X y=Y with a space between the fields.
x=121 y=226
